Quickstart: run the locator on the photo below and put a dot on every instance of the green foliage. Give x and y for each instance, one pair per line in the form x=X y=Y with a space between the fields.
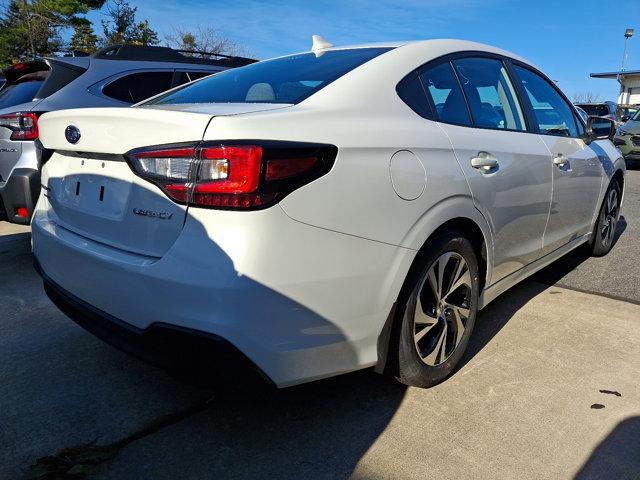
x=188 y=42
x=122 y=26
x=84 y=39
x=30 y=28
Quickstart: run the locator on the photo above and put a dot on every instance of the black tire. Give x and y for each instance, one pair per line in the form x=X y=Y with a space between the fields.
x=603 y=236
x=414 y=368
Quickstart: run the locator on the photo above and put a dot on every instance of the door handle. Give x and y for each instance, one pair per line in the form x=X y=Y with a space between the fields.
x=484 y=161
x=560 y=160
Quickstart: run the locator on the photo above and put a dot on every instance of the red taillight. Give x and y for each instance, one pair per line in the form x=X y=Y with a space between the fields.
x=23 y=126
x=288 y=167
x=232 y=176
x=22 y=212
x=229 y=169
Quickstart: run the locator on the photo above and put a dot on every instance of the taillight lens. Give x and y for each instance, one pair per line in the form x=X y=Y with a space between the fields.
x=229 y=176
x=23 y=126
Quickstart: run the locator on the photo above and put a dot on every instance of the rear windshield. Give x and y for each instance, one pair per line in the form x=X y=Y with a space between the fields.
x=596 y=110
x=282 y=80
x=22 y=90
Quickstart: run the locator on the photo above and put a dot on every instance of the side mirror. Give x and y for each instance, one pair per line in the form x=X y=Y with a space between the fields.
x=599 y=128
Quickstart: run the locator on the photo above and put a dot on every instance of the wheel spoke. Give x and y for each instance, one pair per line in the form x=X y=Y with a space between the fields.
x=420 y=335
x=432 y=358
x=612 y=229
x=443 y=344
x=442 y=264
x=612 y=202
x=459 y=314
x=422 y=317
x=433 y=283
x=465 y=280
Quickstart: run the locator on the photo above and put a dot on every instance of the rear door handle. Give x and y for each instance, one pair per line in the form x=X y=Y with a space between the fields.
x=484 y=161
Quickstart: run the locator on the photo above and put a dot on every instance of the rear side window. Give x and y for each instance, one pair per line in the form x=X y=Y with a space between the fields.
x=282 y=80
x=553 y=114
x=445 y=94
x=490 y=94
x=22 y=90
x=411 y=92
x=135 y=87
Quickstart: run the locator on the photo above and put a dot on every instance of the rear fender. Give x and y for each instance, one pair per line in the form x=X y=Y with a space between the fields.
x=460 y=206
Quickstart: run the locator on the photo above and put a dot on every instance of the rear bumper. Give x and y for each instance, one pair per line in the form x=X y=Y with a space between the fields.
x=302 y=303
x=20 y=192
x=189 y=353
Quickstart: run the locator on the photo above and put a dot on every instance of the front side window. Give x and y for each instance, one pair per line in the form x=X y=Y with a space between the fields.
x=282 y=80
x=553 y=115
x=490 y=94
x=442 y=86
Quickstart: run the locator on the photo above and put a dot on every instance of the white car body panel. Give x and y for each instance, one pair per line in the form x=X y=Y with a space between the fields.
x=303 y=288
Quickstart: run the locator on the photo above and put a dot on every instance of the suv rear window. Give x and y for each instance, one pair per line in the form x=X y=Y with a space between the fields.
x=135 y=87
x=282 y=80
x=22 y=90
x=595 y=110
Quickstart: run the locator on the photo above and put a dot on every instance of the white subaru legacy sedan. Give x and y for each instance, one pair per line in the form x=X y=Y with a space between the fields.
x=322 y=212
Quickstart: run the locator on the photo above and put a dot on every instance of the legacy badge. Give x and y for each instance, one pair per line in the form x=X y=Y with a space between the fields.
x=151 y=213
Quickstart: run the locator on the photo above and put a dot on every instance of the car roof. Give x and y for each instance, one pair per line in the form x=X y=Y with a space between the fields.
x=451 y=45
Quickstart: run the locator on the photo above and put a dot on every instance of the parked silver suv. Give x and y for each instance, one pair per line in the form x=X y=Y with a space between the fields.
x=118 y=75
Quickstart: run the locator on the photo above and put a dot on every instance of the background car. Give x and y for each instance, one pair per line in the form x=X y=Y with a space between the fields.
x=625 y=112
x=583 y=115
x=600 y=109
x=114 y=76
x=627 y=138
x=317 y=213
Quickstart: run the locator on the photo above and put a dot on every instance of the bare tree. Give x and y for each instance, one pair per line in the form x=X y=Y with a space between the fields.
x=586 y=97
x=203 y=39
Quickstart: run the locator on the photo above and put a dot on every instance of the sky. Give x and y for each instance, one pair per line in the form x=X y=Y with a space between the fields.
x=567 y=39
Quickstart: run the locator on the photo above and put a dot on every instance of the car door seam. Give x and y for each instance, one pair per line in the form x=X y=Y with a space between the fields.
x=551 y=165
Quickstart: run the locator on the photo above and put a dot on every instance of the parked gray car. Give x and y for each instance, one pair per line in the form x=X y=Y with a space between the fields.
x=118 y=75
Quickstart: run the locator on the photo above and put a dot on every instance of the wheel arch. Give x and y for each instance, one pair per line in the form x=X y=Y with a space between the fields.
x=472 y=226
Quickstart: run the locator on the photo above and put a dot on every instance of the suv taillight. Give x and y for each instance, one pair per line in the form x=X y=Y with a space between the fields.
x=234 y=175
x=23 y=125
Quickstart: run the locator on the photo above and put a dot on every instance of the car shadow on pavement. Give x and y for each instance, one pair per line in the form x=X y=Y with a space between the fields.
x=316 y=430
x=219 y=430
x=617 y=456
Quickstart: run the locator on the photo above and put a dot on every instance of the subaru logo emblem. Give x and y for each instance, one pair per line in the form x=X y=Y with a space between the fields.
x=72 y=134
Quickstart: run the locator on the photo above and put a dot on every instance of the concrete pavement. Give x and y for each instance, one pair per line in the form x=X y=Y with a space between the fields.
x=524 y=405
x=548 y=389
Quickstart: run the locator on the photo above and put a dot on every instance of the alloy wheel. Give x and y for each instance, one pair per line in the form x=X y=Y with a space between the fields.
x=610 y=220
x=442 y=308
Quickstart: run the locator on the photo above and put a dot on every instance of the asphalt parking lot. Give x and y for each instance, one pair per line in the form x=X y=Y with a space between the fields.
x=549 y=389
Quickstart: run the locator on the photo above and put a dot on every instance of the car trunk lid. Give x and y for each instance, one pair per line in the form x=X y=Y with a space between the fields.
x=90 y=187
